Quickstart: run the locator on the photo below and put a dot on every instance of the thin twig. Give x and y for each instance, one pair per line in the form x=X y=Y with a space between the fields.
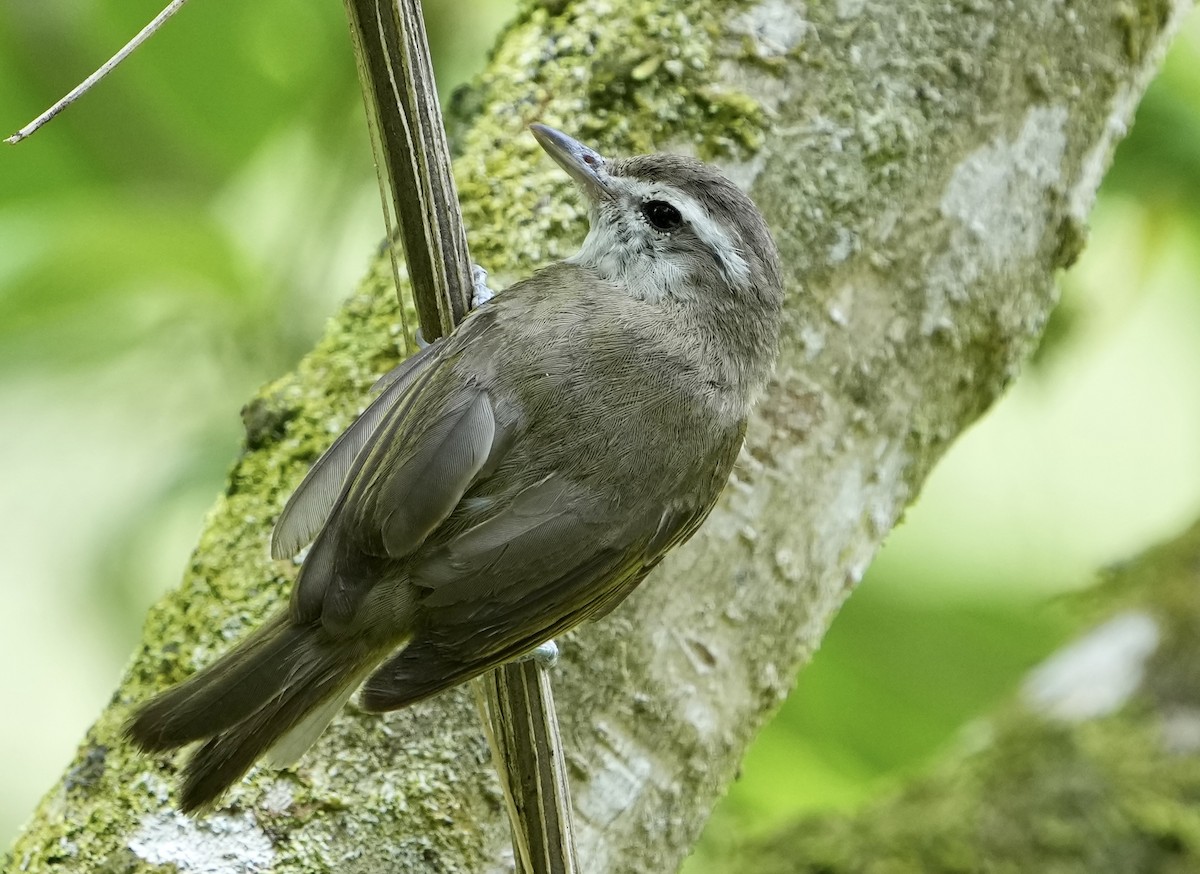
x=83 y=87
x=414 y=168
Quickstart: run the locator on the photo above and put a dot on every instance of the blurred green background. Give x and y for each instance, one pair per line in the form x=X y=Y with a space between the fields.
x=180 y=236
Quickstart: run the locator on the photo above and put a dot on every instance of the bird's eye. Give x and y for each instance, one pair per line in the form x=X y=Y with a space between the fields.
x=662 y=215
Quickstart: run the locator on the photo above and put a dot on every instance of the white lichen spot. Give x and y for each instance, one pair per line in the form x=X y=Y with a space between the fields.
x=997 y=196
x=862 y=496
x=880 y=518
x=279 y=796
x=771 y=678
x=842 y=306
x=813 y=341
x=791 y=566
x=217 y=844
x=620 y=768
x=997 y=191
x=897 y=331
x=1096 y=675
x=771 y=29
x=843 y=247
x=699 y=713
x=744 y=174
x=850 y=8
x=855 y=573
x=775 y=26
x=152 y=787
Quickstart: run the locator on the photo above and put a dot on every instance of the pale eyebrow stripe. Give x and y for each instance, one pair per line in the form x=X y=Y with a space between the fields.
x=733 y=264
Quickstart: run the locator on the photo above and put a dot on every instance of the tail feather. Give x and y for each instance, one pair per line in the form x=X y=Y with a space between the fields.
x=221 y=695
x=286 y=751
x=280 y=687
x=225 y=758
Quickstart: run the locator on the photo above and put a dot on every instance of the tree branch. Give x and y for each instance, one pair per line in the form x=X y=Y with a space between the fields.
x=1094 y=768
x=926 y=168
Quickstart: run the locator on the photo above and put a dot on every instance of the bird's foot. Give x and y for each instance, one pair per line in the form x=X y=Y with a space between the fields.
x=545 y=655
x=481 y=292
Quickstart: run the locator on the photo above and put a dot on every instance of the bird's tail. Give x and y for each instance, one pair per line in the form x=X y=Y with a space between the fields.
x=272 y=694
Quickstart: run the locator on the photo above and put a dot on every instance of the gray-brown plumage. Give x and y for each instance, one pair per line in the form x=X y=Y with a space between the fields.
x=513 y=479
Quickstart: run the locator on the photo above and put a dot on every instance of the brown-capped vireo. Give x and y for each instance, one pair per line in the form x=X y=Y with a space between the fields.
x=513 y=479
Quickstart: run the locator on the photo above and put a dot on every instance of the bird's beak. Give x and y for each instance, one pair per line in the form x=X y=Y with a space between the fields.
x=586 y=166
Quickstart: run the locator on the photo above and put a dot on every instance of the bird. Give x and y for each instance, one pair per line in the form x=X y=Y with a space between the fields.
x=511 y=480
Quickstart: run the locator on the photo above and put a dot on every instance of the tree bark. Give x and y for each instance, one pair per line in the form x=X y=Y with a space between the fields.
x=926 y=167
x=1093 y=769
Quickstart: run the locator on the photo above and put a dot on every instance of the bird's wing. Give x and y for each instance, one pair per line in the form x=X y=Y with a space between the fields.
x=309 y=506
x=434 y=435
x=527 y=574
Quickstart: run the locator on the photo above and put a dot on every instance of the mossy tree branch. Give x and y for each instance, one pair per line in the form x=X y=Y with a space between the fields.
x=1093 y=769
x=927 y=167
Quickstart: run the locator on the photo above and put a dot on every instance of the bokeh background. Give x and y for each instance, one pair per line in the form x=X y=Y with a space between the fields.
x=180 y=236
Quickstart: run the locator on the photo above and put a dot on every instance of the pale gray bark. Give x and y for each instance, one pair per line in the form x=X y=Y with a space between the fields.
x=926 y=166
